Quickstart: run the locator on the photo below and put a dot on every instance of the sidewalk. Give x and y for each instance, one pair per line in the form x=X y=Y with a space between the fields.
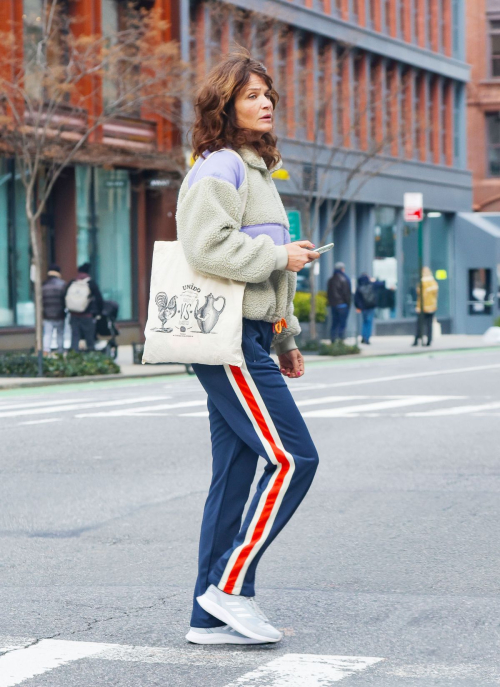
x=380 y=346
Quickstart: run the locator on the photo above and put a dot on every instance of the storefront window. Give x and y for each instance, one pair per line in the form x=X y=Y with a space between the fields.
x=25 y=308
x=84 y=226
x=114 y=260
x=437 y=226
x=104 y=234
x=410 y=269
x=16 y=289
x=6 y=312
x=385 y=265
x=480 y=296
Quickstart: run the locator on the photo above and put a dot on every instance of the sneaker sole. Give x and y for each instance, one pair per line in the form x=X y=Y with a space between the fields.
x=221 y=638
x=221 y=613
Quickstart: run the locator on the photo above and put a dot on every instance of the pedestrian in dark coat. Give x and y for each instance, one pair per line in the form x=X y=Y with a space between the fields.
x=365 y=301
x=53 y=290
x=339 y=300
x=84 y=303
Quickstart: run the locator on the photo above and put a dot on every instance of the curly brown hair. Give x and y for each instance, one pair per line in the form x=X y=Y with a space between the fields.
x=215 y=125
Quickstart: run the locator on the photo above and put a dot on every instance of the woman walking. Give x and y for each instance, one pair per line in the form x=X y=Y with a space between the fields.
x=232 y=224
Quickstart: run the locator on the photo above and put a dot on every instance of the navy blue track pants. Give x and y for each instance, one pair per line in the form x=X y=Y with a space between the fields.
x=252 y=414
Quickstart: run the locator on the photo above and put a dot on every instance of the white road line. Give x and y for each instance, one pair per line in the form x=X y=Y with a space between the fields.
x=456 y=410
x=368 y=407
x=40 y=422
x=136 y=412
x=24 y=664
x=331 y=399
x=41 y=404
x=81 y=406
x=201 y=413
x=304 y=670
x=416 y=375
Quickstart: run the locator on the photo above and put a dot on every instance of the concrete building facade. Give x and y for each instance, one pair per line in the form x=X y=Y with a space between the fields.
x=391 y=76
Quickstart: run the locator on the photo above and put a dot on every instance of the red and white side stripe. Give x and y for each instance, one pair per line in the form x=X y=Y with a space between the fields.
x=265 y=514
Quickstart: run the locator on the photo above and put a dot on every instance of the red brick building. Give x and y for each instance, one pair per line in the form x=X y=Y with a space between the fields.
x=483 y=102
x=386 y=69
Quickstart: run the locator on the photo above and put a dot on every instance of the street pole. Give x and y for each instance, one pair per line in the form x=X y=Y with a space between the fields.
x=420 y=268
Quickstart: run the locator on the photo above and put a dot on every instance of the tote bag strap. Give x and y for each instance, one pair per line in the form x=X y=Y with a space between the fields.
x=245 y=193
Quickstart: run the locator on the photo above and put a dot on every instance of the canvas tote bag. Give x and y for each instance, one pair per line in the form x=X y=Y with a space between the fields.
x=192 y=318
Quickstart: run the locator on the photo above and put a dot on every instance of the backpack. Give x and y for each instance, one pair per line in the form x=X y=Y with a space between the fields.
x=78 y=295
x=368 y=294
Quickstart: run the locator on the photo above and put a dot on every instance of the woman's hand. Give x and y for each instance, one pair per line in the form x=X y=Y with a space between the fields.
x=291 y=364
x=298 y=255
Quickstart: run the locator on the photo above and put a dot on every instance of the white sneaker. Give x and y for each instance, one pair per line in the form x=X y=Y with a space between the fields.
x=219 y=635
x=240 y=612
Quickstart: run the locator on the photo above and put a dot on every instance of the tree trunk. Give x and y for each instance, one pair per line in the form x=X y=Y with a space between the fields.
x=37 y=263
x=312 y=311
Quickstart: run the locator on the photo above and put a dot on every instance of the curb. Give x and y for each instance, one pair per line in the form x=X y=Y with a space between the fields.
x=53 y=381
x=48 y=381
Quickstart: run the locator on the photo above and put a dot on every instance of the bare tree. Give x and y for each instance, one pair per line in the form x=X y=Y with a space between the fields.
x=360 y=147
x=60 y=87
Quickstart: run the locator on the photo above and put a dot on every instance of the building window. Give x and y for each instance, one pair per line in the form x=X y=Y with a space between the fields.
x=444 y=122
x=324 y=91
x=104 y=232
x=302 y=77
x=402 y=17
x=418 y=117
x=493 y=130
x=385 y=265
x=357 y=101
x=495 y=48
x=16 y=289
x=442 y=26
x=282 y=82
x=455 y=23
x=354 y=4
x=437 y=228
x=387 y=16
x=6 y=309
x=339 y=110
x=480 y=296
x=457 y=150
x=32 y=37
x=373 y=102
x=431 y=104
x=371 y=13
x=389 y=104
x=428 y=23
x=416 y=21
x=337 y=7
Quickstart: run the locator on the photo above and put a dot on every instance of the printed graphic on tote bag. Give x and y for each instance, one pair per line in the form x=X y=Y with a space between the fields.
x=190 y=318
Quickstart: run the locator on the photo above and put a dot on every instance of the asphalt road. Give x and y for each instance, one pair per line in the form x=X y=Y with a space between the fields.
x=394 y=554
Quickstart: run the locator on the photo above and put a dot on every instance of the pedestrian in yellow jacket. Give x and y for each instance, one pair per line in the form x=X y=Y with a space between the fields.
x=430 y=304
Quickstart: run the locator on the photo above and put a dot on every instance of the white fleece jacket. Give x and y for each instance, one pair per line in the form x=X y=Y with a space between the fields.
x=218 y=241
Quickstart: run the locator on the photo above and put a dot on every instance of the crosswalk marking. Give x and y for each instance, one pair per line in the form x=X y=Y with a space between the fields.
x=40 y=422
x=24 y=664
x=304 y=670
x=329 y=399
x=381 y=405
x=27 y=659
x=457 y=410
x=41 y=404
x=80 y=406
x=137 y=412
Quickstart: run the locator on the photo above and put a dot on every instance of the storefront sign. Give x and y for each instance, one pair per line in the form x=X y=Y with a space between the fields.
x=159 y=183
x=295 y=224
x=413 y=207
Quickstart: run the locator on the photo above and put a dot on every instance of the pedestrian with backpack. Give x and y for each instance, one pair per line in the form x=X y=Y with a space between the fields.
x=53 y=290
x=84 y=303
x=365 y=301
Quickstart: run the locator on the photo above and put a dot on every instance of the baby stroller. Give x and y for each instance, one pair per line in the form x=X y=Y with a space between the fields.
x=106 y=327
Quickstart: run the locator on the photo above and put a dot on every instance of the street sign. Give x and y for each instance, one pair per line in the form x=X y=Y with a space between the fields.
x=295 y=226
x=413 y=207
